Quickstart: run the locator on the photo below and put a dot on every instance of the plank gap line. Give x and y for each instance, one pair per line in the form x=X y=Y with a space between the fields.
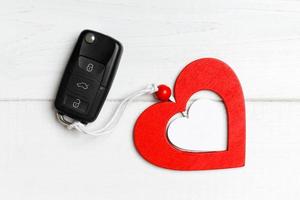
x=286 y=100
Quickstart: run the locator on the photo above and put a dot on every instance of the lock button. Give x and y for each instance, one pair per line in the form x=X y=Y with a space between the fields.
x=90 y=68
x=75 y=103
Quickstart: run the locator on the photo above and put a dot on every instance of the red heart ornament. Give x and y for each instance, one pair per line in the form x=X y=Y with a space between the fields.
x=150 y=131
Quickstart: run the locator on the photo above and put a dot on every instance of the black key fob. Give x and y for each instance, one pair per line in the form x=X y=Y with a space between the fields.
x=88 y=76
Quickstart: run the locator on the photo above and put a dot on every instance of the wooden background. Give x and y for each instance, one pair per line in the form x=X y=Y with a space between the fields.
x=40 y=159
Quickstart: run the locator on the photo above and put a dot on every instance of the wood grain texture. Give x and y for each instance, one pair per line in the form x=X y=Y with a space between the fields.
x=260 y=40
x=40 y=159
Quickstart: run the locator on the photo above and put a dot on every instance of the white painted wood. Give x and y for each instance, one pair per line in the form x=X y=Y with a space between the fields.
x=183 y=134
x=42 y=160
x=259 y=39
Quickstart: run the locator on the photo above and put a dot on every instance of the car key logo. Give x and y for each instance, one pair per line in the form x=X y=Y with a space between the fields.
x=90 y=67
x=76 y=103
x=83 y=85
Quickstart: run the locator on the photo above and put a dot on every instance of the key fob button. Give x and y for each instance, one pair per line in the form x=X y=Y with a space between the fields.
x=91 y=68
x=90 y=38
x=83 y=86
x=75 y=103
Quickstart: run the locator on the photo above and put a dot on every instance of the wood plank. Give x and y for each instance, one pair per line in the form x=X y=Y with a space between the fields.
x=39 y=159
x=260 y=40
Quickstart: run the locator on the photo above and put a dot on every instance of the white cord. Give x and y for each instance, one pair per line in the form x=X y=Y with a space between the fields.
x=150 y=89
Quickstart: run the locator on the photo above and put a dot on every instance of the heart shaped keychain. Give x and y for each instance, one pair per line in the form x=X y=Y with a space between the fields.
x=150 y=131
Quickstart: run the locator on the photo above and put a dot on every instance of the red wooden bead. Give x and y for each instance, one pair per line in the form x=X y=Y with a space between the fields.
x=163 y=93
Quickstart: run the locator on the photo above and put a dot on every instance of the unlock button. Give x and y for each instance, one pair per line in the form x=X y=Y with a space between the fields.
x=75 y=103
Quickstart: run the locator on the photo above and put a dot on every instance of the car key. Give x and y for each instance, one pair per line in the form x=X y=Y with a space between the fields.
x=88 y=76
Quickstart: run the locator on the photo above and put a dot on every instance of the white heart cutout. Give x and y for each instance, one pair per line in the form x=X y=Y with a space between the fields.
x=202 y=128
